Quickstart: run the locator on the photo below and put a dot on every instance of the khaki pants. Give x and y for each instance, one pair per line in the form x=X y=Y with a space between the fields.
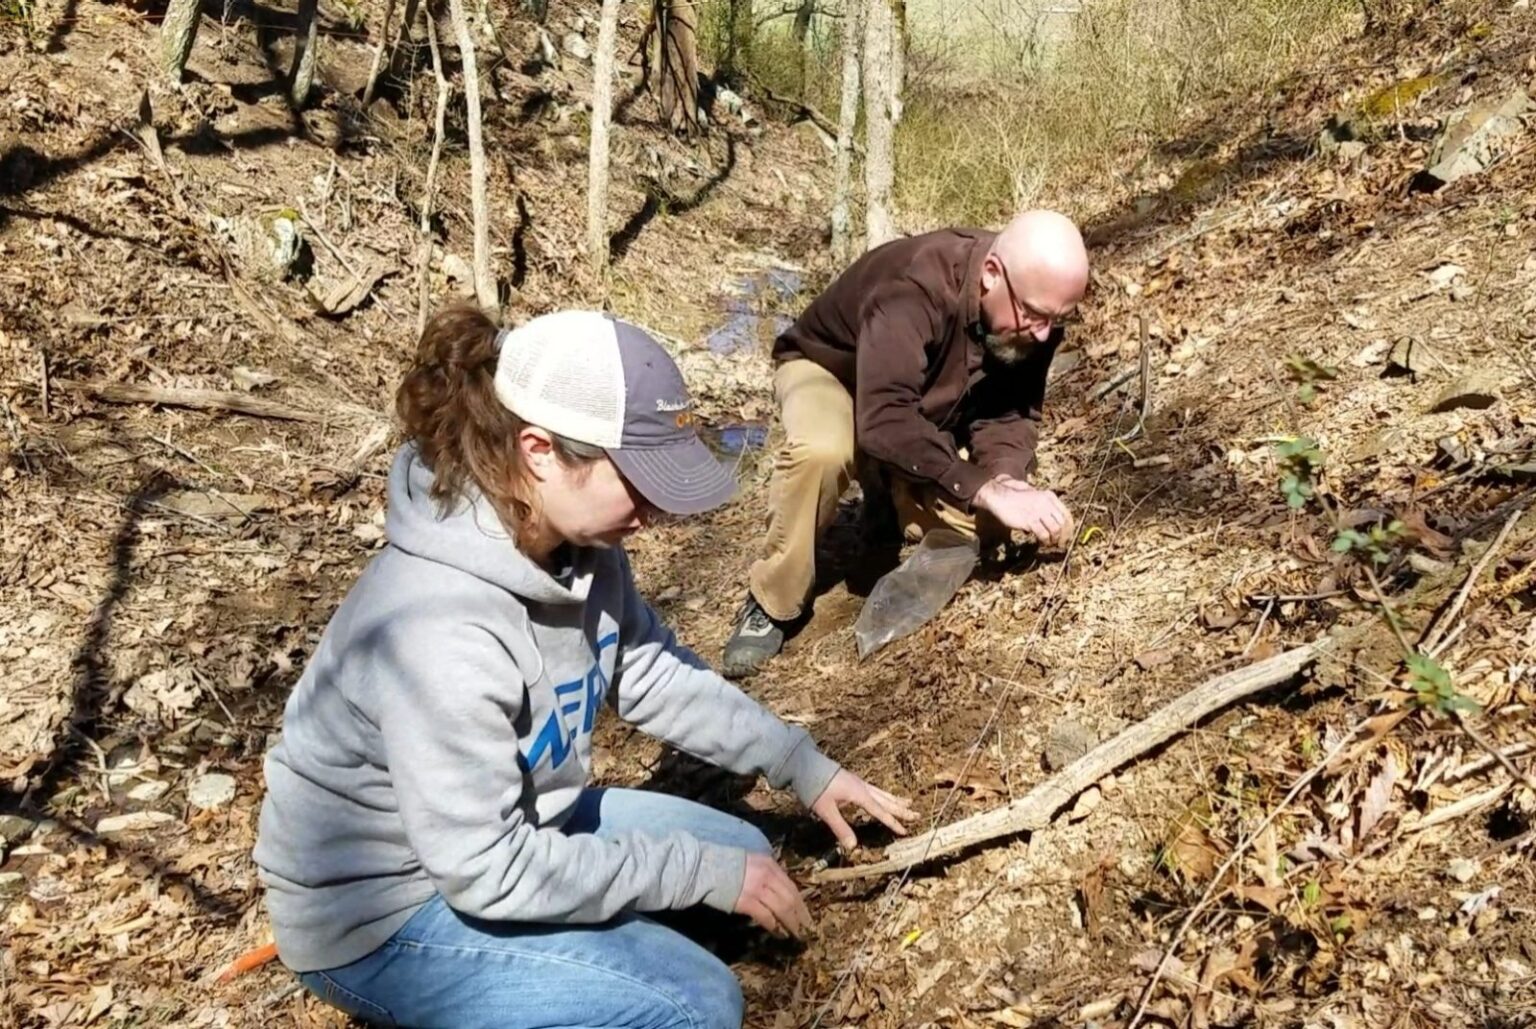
x=810 y=472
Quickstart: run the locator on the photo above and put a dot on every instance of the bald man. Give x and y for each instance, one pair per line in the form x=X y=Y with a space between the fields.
x=921 y=370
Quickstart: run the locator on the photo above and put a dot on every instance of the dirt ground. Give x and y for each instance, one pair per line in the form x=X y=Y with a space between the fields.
x=164 y=571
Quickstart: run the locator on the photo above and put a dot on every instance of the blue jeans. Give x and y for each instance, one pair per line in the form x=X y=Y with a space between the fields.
x=445 y=969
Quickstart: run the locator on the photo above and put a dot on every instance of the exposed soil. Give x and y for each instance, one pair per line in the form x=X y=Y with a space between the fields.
x=164 y=572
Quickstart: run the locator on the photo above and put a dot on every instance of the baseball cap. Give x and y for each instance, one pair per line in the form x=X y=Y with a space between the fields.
x=595 y=379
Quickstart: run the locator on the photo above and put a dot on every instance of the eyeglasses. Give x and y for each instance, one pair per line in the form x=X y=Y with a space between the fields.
x=1027 y=316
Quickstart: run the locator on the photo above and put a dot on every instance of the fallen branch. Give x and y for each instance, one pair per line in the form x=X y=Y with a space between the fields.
x=197 y=399
x=818 y=119
x=431 y=186
x=1035 y=808
x=485 y=282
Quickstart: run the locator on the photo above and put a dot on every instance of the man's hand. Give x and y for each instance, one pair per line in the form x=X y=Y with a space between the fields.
x=1019 y=505
x=770 y=898
x=847 y=788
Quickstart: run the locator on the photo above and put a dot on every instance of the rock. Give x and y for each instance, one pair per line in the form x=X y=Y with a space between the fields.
x=1374 y=353
x=14 y=828
x=1426 y=565
x=547 y=52
x=1450 y=452
x=1446 y=274
x=576 y=46
x=1476 y=390
x=1473 y=139
x=285 y=242
x=732 y=101
x=133 y=821
x=1350 y=151
x=1086 y=804
x=148 y=792
x=1462 y=870
x=459 y=274
x=210 y=791
x=1066 y=742
x=1412 y=356
x=1063 y=364
x=11 y=883
x=250 y=379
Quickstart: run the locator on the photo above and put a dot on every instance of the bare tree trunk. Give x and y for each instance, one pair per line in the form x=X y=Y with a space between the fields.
x=739 y=30
x=439 y=122
x=597 y=153
x=485 y=282
x=378 y=54
x=848 y=116
x=801 y=29
x=879 y=123
x=898 y=59
x=301 y=76
x=177 y=34
x=677 y=64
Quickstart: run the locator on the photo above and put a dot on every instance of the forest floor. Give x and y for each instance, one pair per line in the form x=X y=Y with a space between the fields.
x=165 y=571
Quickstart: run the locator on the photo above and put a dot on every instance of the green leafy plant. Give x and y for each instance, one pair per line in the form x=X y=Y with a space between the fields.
x=1433 y=687
x=1377 y=543
x=1300 y=460
x=1309 y=373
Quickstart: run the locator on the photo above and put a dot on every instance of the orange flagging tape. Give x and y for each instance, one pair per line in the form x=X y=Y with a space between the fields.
x=249 y=961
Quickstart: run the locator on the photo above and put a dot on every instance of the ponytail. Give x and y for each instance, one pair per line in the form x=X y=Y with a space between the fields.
x=448 y=407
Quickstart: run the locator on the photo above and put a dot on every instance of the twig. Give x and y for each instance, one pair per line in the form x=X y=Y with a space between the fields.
x=42 y=375
x=1463 y=807
x=378 y=54
x=1263 y=620
x=197 y=399
x=1146 y=384
x=1226 y=866
x=1035 y=808
x=1494 y=752
x=1293 y=598
x=1119 y=379
x=326 y=242
x=1439 y=629
x=432 y=162
x=1487 y=761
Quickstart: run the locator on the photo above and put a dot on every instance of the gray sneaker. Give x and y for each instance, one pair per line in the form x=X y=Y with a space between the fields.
x=755 y=639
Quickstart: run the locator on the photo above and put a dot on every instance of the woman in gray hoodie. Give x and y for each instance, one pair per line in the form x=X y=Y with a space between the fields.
x=432 y=850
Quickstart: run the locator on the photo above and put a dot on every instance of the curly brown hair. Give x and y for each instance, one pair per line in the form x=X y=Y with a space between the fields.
x=448 y=407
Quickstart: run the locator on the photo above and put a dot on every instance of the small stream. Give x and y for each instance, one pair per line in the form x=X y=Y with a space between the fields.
x=755 y=312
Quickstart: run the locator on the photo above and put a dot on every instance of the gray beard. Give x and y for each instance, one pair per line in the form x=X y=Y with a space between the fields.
x=1004 y=348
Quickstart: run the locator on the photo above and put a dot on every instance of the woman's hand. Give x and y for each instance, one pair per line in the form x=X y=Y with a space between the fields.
x=847 y=788
x=771 y=899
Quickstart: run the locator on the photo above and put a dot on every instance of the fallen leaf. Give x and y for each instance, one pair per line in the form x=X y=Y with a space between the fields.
x=1189 y=853
x=344 y=296
x=979 y=782
x=1378 y=795
x=1150 y=659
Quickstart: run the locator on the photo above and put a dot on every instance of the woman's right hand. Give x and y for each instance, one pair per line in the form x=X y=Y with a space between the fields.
x=770 y=898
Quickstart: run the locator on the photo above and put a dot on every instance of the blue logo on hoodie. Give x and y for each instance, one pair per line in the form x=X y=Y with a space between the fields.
x=585 y=695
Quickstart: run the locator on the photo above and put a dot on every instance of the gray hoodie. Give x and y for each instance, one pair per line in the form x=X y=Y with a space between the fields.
x=442 y=733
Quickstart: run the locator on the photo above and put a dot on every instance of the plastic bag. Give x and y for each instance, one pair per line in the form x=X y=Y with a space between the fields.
x=906 y=597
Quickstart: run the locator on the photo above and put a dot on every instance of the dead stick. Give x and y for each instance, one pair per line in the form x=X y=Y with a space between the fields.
x=1035 y=808
x=485 y=281
x=1439 y=631
x=197 y=399
x=378 y=54
x=431 y=185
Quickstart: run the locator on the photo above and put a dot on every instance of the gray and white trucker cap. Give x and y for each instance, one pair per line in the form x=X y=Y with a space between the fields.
x=598 y=380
